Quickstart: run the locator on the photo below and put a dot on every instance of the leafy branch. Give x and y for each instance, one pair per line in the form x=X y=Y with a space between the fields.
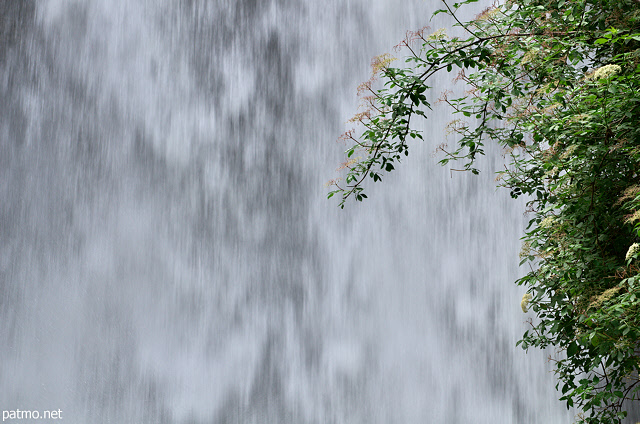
x=556 y=84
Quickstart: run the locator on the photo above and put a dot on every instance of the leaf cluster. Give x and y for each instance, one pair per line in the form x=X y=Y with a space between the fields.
x=556 y=83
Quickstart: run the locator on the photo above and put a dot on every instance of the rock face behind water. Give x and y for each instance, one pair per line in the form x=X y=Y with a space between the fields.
x=167 y=254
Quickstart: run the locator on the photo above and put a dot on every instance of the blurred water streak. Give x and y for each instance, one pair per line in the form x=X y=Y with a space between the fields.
x=167 y=253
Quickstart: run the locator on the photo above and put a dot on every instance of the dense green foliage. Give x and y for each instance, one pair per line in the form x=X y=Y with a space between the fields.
x=556 y=83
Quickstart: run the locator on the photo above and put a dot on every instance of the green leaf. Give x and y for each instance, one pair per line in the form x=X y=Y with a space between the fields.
x=573 y=152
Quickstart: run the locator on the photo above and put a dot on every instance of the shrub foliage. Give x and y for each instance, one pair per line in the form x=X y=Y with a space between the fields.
x=556 y=83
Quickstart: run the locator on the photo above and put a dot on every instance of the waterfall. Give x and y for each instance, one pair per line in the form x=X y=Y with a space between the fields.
x=168 y=254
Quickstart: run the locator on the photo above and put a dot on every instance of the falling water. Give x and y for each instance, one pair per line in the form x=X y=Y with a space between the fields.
x=167 y=254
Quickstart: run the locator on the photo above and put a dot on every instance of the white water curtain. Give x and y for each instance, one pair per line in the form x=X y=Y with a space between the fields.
x=168 y=254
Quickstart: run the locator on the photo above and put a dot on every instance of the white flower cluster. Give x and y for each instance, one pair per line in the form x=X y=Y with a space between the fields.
x=524 y=303
x=604 y=296
x=530 y=55
x=437 y=35
x=633 y=251
x=553 y=172
x=526 y=250
x=547 y=222
x=570 y=149
x=605 y=72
